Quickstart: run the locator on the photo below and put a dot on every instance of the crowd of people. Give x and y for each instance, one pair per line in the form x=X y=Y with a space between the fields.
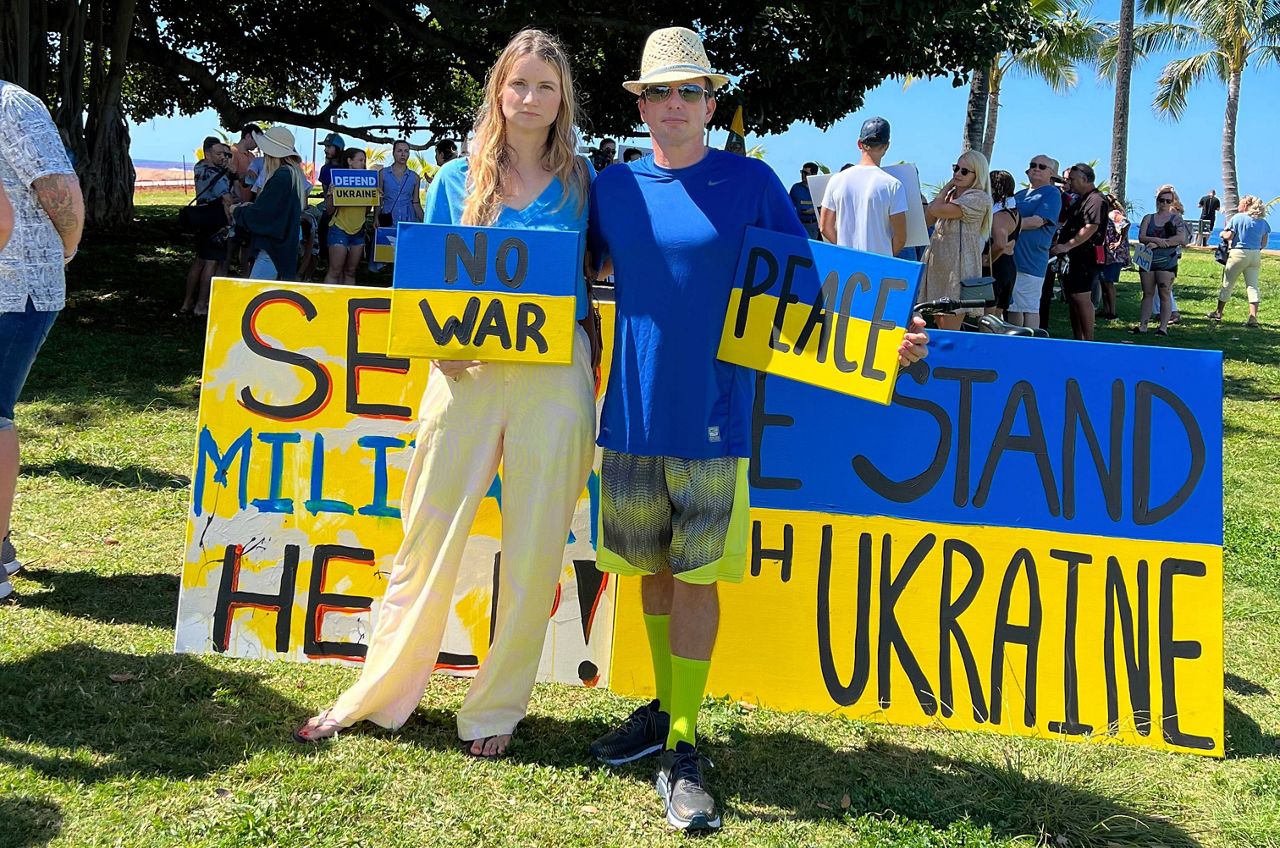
x=1059 y=234
x=257 y=213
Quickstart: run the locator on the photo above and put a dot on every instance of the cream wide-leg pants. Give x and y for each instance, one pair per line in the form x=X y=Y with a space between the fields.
x=539 y=420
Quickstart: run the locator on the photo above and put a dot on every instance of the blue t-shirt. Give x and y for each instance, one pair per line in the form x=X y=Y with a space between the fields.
x=674 y=236
x=1248 y=231
x=448 y=192
x=802 y=198
x=1031 y=250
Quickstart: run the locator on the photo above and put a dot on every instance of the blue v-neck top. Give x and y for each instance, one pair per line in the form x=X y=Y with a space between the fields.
x=448 y=192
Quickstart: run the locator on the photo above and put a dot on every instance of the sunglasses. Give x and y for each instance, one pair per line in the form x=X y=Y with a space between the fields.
x=689 y=92
x=1164 y=200
x=964 y=172
x=1037 y=166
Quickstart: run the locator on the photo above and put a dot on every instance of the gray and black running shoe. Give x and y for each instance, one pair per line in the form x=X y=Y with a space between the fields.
x=641 y=734
x=8 y=558
x=690 y=806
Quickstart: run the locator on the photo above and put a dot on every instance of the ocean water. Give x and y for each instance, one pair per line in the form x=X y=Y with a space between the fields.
x=1213 y=236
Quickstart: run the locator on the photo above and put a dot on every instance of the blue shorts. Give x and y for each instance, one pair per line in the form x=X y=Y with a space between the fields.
x=21 y=335
x=339 y=237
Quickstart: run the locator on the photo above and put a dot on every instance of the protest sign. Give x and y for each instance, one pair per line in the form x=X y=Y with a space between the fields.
x=917 y=227
x=484 y=293
x=1028 y=541
x=817 y=313
x=818 y=188
x=305 y=432
x=384 y=245
x=354 y=187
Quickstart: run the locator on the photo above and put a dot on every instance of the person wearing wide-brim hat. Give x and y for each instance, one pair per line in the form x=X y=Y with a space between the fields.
x=272 y=220
x=676 y=424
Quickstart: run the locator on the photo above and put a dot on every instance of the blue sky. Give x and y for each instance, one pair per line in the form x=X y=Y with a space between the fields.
x=928 y=120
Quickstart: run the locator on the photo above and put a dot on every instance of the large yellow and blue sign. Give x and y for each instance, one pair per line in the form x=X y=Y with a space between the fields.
x=1028 y=540
x=821 y=314
x=484 y=293
x=353 y=187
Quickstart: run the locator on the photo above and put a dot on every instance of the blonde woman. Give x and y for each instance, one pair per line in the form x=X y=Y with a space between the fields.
x=1247 y=233
x=1164 y=233
x=538 y=420
x=962 y=211
x=273 y=218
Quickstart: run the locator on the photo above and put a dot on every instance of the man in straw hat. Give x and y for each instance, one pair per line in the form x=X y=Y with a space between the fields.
x=676 y=424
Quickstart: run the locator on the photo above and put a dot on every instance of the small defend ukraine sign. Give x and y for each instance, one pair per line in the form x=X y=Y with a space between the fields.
x=484 y=293
x=354 y=187
x=820 y=314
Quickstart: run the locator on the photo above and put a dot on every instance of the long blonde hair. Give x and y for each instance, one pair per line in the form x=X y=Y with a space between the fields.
x=1252 y=206
x=976 y=162
x=488 y=180
x=271 y=164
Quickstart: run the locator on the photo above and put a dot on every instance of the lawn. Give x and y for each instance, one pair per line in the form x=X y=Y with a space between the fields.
x=107 y=738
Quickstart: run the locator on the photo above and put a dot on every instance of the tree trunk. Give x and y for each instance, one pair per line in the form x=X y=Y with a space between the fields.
x=107 y=175
x=1120 y=115
x=69 y=116
x=976 y=113
x=993 y=112
x=1230 y=188
x=15 y=36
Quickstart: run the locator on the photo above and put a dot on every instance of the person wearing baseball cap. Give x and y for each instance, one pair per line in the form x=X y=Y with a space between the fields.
x=865 y=207
x=676 y=423
x=333 y=147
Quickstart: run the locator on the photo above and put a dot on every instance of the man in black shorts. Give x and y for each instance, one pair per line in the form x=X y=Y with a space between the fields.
x=1081 y=240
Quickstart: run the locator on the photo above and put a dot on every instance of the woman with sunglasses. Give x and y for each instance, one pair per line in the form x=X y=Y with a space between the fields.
x=962 y=211
x=1164 y=233
x=537 y=420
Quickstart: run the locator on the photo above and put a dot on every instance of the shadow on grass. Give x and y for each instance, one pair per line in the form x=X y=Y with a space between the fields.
x=793 y=773
x=26 y=822
x=146 y=599
x=1240 y=686
x=163 y=716
x=105 y=477
x=1245 y=738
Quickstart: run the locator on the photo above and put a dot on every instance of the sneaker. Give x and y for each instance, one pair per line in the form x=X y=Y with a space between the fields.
x=6 y=590
x=690 y=806
x=642 y=734
x=9 y=558
x=1214 y=316
x=1252 y=322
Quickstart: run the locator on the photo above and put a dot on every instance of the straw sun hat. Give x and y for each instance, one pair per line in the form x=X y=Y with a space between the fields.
x=674 y=54
x=276 y=141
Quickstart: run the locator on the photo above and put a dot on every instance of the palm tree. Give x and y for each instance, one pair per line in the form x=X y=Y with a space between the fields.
x=1123 y=64
x=1068 y=38
x=1232 y=32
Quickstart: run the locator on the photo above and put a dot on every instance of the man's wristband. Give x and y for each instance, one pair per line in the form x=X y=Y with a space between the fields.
x=66 y=260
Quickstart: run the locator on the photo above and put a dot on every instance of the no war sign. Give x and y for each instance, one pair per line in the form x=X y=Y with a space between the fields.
x=484 y=293
x=354 y=187
x=821 y=314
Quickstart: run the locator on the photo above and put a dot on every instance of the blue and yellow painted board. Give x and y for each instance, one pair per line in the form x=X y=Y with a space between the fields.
x=384 y=245
x=1027 y=540
x=354 y=187
x=306 y=429
x=484 y=293
x=820 y=314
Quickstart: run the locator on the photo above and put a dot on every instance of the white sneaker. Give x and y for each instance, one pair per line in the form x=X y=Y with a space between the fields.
x=6 y=589
x=8 y=560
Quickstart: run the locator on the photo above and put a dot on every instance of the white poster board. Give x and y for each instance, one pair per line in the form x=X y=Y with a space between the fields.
x=917 y=229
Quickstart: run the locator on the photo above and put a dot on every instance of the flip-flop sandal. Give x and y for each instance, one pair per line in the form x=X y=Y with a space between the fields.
x=313 y=730
x=506 y=752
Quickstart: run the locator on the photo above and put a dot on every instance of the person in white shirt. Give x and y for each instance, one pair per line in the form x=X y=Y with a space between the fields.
x=864 y=207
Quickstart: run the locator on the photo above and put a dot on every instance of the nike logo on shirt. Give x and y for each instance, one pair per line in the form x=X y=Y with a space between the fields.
x=716 y=182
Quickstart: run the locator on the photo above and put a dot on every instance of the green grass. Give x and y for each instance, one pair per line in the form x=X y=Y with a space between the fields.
x=106 y=738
